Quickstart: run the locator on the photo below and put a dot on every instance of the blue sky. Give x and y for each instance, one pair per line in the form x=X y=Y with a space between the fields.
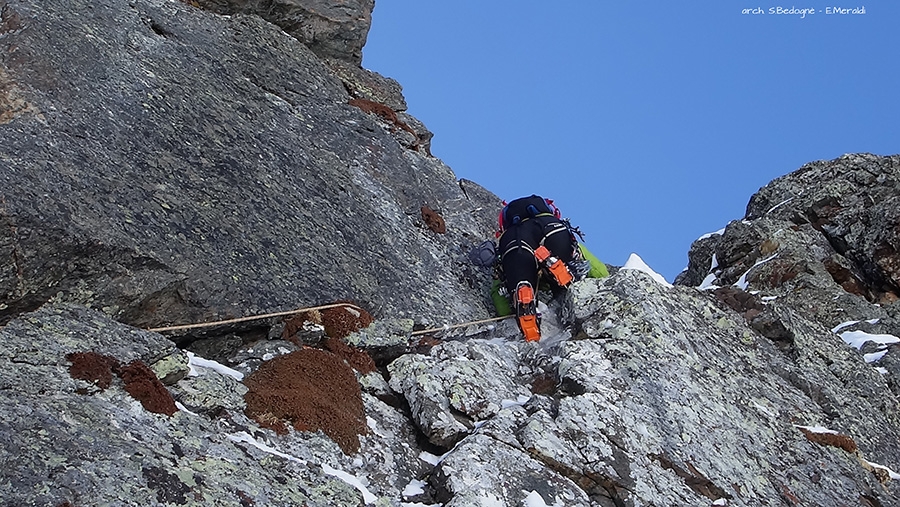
x=650 y=123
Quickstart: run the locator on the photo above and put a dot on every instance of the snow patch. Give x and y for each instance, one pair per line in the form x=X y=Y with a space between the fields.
x=518 y=402
x=874 y=356
x=849 y=323
x=195 y=360
x=415 y=487
x=373 y=425
x=245 y=437
x=893 y=475
x=490 y=500
x=742 y=282
x=184 y=409
x=773 y=208
x=817 y=429
x=711 y=234
x=431 y=459
x=856 y=339
x=707 y=283
x=352 y=480
x=635 y=262
x=534 y=499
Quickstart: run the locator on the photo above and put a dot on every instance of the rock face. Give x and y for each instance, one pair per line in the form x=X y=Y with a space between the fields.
x=822 y=241
x=847 y=207
x=331 y=28
x=68 y=443
x=167 y=165
x=161 y=163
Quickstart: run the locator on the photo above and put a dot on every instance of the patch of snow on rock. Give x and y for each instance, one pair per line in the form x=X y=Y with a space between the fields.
x=635 y=262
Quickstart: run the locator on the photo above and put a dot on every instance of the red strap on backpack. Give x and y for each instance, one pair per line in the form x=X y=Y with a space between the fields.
x=553 y=207
x=500 y=225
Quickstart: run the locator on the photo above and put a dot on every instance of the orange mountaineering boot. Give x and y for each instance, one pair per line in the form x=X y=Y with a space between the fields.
x=526 y=312
x=556 y=267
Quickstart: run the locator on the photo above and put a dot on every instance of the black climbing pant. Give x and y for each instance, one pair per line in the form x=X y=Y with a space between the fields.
x=519 y=241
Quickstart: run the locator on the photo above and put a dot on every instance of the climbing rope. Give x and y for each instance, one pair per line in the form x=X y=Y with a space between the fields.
x=309 y=309
x=252 y=317
x=464 y=324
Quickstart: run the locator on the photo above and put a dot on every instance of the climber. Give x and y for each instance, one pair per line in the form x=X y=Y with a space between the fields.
x=533 y=242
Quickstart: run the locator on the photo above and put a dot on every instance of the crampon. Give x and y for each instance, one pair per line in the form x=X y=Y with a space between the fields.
x=526 y=312
x=555 y=267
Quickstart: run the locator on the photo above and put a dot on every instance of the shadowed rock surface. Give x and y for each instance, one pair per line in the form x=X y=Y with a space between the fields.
x=160 y=163
x=331 y=28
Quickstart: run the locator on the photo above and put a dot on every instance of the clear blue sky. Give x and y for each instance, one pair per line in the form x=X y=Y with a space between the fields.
x=649 y=122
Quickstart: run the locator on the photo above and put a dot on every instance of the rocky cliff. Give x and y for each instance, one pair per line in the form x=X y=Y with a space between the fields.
x=165 y=163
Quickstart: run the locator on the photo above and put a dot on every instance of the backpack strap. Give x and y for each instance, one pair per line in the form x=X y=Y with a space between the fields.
x=500 y=226
x=553 y=208
x=525 y=208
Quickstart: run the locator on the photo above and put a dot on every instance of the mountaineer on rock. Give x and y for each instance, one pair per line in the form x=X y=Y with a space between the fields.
x=535 y=244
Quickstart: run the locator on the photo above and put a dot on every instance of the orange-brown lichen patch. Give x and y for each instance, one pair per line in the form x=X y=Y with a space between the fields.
x=384 y=112
x=92 y=367
x=12 y=101
x=141 y=383
x=341 y=321
x=788 y=495
x=433 y=220
x=843 y=276
x=833 y=439
x=313 y=390
x=294 y=324
x=358 y=359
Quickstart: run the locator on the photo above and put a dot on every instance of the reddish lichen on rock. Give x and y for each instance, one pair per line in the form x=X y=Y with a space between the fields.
x=833 y=439
x=433 y=220
x=339 y=322
x=143 y=385
x=140 y=381
x=385 y=112
x=358 y=359
x=92 y=367
x=313 y=390
x=296 y=323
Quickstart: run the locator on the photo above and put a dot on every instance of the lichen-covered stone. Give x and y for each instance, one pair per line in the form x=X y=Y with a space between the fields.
x=457 y=385
x=482 y=472
x=210 y=390
x=172 y=368
x=331 y=28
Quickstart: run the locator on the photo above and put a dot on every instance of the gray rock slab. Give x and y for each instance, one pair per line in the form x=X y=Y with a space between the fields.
x=169 y=165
